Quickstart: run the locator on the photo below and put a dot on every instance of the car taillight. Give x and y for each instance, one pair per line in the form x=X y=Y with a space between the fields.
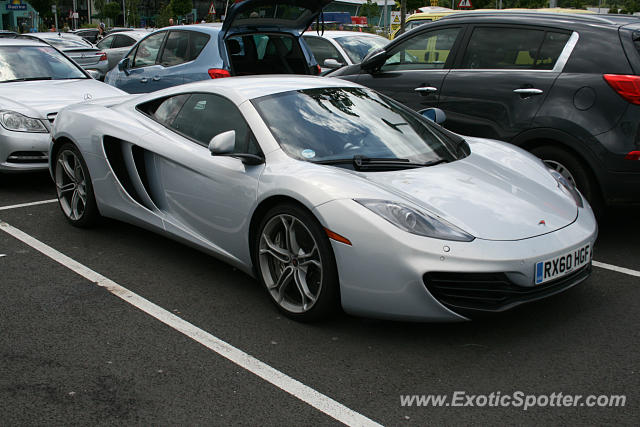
x=627 y=86
x=633 y=155
x=218 y=73
x=103 y=56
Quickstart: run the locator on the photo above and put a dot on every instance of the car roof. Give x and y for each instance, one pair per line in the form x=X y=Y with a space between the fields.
x=22 y=42
x=542 y=17
x=245 y=88
x=338 y=34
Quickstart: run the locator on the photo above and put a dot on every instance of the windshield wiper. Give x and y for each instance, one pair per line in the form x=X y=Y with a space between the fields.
x=27 y=79
x=363 y=163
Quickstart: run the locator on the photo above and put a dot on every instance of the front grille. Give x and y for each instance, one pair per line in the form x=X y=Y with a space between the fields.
x=472 y=293
x=28 y=157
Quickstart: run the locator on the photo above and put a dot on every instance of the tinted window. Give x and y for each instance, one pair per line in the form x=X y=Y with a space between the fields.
x=204 y=116
x=338 y=123
x=105 y=43
x=33 y=62
x=122 y=41
x=182 y=46
x=427 y=50
x=148 y=49
x=513 y=48
x=323 y=50
x=169 y=109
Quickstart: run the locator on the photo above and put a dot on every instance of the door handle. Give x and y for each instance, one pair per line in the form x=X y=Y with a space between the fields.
x=144 y=80
x=426 y=89
x=528 y=91
x=156 y=78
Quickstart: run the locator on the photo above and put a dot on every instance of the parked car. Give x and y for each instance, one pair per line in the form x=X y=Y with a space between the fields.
x=565 y=87
x=330 y=194
x=117 y=44
x=89 y=34
x=36 y=81
x=335 y=49
x=7 y=34
x=77 y=48
x=257 y=37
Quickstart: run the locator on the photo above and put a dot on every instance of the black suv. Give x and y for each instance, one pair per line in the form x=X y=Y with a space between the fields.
x=565 y=87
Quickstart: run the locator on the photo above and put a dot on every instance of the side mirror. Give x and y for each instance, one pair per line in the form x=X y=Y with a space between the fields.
x=223 y=143
x=434 y=114
x=332 y=63
x=374 y=60
x=94 y=74
x=124 y=64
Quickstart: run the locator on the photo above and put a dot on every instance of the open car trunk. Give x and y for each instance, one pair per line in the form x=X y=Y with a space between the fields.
x=266 y=53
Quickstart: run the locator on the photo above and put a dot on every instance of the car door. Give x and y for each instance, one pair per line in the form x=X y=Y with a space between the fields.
x=138 y=76
x=502 y=78
x=121 y=45
x=416 y=67
x=177 y=64
x=207 y=196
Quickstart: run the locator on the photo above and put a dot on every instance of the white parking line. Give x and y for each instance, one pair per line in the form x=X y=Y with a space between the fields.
x=284 y=382
x=23 y=205
x=616 y=268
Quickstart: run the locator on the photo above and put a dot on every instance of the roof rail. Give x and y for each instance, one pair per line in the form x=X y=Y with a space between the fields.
x=583 y=18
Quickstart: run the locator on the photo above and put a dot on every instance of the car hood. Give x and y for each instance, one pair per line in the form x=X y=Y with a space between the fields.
x=497 y=193
x=272 y=14
x=39 y=98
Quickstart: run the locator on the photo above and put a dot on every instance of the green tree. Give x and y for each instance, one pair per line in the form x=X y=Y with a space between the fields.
x=99 y=5
x=181 y=7
x=133 y=14
x=370 y=10
x=111 y=10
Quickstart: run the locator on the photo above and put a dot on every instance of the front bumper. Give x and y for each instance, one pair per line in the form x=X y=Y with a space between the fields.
x=383 y=273
x=23 y=151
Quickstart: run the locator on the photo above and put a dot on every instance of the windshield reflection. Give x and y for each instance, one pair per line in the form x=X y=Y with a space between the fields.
x=340 y=123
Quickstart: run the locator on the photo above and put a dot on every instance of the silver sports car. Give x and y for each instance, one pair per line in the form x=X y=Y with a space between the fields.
x=330 y=194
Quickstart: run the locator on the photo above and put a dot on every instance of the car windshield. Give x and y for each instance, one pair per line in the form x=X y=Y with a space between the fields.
x=357 y=47
x=341 y=124
x=18 y=63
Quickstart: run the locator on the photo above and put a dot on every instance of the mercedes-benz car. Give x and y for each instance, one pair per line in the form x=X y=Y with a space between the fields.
x=330 y=194
x=36 y=81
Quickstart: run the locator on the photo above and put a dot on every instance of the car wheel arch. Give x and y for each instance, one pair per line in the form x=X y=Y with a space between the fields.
x=575 y=150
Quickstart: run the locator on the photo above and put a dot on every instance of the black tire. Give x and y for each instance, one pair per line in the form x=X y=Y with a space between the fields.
x=581 y=176
x=321 y=282
x=73 y=183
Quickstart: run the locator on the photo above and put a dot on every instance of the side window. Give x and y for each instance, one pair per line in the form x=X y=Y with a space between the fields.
x=513 y=48
x=164 y=110
x=147 y=51
x=182 y=46
x=122 y=41
x=204 y=116
x=551 y=49
x=426 y=50
x=105 y=43
x=323 y=49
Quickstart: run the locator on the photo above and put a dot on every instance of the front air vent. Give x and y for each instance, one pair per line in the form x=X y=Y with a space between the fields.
x=28 y=157
x=52 y=117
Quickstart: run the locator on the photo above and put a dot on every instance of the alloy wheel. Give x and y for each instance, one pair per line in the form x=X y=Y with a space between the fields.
x=71 y=185
x=290 y=263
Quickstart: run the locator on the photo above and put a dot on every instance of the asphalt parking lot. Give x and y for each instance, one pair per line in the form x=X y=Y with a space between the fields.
x=74 y=352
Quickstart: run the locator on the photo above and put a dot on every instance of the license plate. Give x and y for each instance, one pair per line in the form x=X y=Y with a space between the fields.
x=562 y=265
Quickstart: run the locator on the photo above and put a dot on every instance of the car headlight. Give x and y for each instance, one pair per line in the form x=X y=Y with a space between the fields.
x=17 y=122
x=414 y=221
x=567 y=186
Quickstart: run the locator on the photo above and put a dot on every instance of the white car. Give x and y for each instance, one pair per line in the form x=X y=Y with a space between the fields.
x=330 y=194
x=335 y=49
x=36 y=81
